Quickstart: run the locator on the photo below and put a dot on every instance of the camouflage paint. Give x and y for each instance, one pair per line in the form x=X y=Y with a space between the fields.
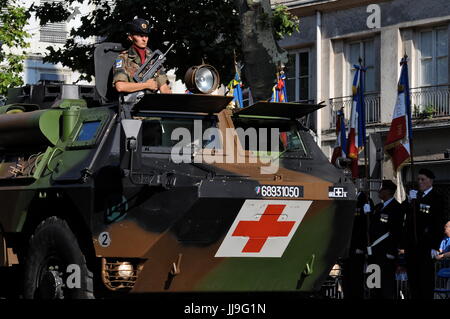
x=158 y=224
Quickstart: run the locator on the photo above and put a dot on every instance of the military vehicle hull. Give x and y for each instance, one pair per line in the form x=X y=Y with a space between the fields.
x=158 y=226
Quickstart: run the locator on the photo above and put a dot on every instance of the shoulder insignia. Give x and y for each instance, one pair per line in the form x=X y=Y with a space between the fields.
x=119 y=63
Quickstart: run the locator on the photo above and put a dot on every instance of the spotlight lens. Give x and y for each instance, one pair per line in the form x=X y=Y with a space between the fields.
x=204 y=80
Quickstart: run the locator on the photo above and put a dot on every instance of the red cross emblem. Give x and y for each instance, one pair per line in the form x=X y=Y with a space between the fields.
x=267 y=226
x=263 y=228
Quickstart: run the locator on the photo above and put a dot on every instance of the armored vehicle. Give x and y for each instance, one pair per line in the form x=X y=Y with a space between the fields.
x=168 y=193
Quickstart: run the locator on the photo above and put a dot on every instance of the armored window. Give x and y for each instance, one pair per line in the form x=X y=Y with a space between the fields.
x=270 y=135
x=88 y=130
x=169 y=131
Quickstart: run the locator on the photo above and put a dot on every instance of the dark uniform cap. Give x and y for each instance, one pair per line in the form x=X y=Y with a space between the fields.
x=138 y=26
x=388 y=185
x=427 y=173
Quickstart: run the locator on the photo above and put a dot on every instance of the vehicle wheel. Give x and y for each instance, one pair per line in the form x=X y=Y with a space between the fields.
x=53 y=247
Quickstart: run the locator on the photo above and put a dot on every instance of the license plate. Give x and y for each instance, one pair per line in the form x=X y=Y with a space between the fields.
x=279 y=191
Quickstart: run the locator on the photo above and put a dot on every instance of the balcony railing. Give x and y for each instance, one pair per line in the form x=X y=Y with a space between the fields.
x=430 y=101
x=371 y=102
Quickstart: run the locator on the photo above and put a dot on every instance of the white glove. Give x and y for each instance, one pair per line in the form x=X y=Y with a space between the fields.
x=412 y=194
x=389 y=256
x=434 y=253
x=366 y=209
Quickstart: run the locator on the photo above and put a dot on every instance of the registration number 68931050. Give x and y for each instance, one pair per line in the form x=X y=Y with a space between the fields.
x=280 y=191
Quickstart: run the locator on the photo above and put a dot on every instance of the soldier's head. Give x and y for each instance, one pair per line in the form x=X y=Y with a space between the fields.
x=138 y=31
x=387 y=190
x=425 y=179
x=447 y=229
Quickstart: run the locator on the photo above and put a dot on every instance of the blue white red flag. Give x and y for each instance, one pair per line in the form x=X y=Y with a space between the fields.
x=357 y=133
x=340 y=148
x=398 y=141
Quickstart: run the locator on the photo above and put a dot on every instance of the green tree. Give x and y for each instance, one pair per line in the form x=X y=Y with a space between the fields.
x=203 y=31
x=13 y=19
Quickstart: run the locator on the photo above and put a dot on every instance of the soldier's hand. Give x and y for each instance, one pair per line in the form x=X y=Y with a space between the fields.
x=152 y=85
x=412 y=194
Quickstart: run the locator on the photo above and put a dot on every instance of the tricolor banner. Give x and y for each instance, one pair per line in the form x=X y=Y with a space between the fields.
x=398 y=141
x=357 y=133
x=340 y=148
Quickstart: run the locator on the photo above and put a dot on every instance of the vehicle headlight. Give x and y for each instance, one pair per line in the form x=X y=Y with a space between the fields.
x=125 y=270
x=202 y=79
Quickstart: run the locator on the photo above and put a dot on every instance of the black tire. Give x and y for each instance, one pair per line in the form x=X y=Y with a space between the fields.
x=52 y=248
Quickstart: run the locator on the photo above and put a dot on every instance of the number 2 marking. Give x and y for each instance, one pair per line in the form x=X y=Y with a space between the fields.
x=104 y=239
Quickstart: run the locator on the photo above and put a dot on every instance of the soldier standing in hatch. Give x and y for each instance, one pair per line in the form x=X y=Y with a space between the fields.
x=423 y=234
x=129 y=61
x=385 y=233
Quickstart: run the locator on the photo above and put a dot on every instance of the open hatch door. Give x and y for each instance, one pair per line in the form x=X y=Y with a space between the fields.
x=195 y=103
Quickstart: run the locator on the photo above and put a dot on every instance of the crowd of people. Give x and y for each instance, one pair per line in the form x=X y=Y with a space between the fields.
x=405 y=237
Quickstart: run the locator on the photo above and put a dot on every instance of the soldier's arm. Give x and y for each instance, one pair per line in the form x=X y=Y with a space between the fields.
x=130 y=87
x=163 y=82
x=122 y=80
x=165 y=89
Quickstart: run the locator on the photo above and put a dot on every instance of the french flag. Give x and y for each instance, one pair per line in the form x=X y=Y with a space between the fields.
x=397 y=144
x=357 y=133
x=357 y=136
x=340 y=148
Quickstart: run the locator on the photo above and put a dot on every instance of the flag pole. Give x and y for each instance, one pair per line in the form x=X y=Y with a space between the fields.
x=366 y=168
x=411 y=148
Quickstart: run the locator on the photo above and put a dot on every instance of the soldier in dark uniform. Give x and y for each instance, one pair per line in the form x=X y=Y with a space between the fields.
x=424 y=220
x=129 y=61
x=354 y=265
x=385 y=233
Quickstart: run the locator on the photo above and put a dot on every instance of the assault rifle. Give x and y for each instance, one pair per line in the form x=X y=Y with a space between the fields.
x=147 y=71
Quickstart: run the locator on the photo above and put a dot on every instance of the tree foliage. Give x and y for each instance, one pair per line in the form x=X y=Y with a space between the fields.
x=203 y=31
x=284 y=22
x=13 y=19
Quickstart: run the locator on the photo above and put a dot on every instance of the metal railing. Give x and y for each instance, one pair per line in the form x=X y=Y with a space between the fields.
x=371 y=102
x=430 y=101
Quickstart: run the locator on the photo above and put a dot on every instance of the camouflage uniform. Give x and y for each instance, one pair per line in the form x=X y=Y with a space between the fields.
x=127 y=64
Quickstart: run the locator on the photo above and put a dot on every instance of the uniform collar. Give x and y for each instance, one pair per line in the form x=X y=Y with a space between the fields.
x=133 y=55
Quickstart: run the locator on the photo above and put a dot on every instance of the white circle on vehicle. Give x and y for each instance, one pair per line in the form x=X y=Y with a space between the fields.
x=104 y=239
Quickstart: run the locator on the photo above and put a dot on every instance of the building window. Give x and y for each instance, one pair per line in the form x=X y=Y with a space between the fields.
x=53 y=32
x=366 y=51
x=431 y=96
x=51 y=77
x=433 y=57
x=298 y=76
